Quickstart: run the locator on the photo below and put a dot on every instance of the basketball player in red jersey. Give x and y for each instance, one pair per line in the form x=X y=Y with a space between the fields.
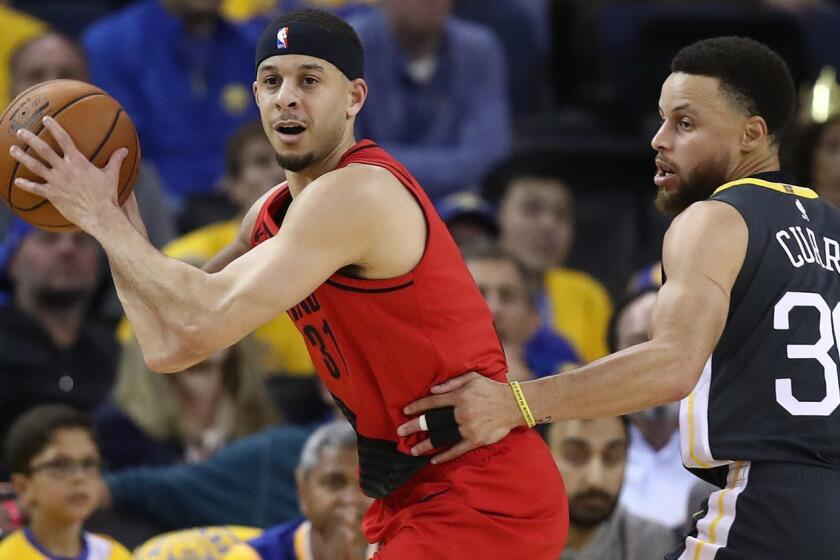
x=352 y=247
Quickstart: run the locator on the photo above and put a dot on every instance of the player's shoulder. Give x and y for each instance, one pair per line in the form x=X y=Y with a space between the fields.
x=358 y=186
x=707 y=218
x=360 y=175
x=708 y=235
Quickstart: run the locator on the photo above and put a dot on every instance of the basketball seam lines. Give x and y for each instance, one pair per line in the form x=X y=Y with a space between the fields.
x=26 y=150
x=17 y=165
x=105 y=139
x=91 y=157
x=136 y=154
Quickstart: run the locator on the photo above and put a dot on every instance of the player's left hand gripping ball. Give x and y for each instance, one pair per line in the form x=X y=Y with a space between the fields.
x=484 y=412
x=76 y=187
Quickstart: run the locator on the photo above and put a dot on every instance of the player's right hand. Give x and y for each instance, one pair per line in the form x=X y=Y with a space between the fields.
x=80 y=190
x=485 y=411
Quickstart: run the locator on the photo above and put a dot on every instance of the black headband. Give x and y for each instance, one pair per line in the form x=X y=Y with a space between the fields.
x=283 y=37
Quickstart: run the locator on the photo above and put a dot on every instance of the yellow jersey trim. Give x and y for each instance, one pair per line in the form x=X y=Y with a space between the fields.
x=691 y=429
x=804 y=192
x=720 y=514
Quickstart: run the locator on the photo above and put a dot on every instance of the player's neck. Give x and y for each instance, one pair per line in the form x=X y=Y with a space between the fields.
x=752 y=164
x=298 y=180
x=579 y=537
x=59 y=539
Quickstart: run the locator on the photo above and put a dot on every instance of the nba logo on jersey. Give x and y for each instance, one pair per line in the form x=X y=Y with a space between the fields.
x=283 y=38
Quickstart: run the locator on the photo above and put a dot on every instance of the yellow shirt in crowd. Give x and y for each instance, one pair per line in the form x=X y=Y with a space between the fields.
x=239 y=10
x=20 y=545
x=579 y=308
x=15 y=29
x=199 y=543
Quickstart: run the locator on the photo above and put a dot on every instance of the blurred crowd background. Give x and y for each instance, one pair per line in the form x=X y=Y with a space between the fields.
x=528 y=122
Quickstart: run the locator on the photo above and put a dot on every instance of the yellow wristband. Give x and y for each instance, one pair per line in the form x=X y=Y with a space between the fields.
x=523 y=404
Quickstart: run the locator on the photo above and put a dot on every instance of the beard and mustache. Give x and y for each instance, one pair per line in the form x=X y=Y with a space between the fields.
x=591 y=507
x=58 y=300
x=295 y=163
x=697 y=185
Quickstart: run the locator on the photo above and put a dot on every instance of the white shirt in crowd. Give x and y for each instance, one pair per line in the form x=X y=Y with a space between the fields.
x=656 y=485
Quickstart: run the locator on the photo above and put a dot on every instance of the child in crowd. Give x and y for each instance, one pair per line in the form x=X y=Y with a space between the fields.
x=55 y=467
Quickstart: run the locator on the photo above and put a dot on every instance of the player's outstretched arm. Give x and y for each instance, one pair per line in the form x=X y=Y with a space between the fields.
x=156 y=339
x=76 y=195
x=703 y=252
x=327 y=227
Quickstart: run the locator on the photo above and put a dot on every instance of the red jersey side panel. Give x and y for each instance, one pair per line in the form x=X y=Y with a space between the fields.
x=381 y=344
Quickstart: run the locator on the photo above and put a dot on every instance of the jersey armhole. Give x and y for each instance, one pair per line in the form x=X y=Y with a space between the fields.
x=405 y=184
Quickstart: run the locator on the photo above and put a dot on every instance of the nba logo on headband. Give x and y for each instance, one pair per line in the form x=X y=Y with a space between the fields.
x=283 y=38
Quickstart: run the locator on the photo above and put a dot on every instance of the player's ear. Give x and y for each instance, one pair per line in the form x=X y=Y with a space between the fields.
x=254 y=89
x=754 y=133
x=356 y=96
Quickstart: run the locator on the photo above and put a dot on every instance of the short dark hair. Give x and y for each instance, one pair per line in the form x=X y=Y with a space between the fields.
x=533 y=286
x=536 y=164
x=236 y=144
x=14 y=59
x=33 y=431
x=756 y=78
x=544 y=430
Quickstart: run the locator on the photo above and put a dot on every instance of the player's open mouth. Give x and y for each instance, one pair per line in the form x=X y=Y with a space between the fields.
x=290 y=129
x=289 y=132
x=664 y=175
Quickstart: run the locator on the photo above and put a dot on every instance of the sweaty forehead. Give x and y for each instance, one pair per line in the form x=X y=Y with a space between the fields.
x=691 y=93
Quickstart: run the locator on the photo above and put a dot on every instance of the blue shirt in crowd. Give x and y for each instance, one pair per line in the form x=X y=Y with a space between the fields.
x=249 y=482
x=547 y=353
x=186 y=96
x=450 y=129
x=278 y=543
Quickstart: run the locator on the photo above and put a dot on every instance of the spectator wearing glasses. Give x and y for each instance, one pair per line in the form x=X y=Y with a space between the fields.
x=56 y=468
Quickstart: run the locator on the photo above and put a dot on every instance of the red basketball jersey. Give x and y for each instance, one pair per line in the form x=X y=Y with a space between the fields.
x=379 y=345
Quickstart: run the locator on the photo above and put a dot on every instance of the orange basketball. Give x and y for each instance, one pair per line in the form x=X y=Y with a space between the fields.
x=95 y=121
